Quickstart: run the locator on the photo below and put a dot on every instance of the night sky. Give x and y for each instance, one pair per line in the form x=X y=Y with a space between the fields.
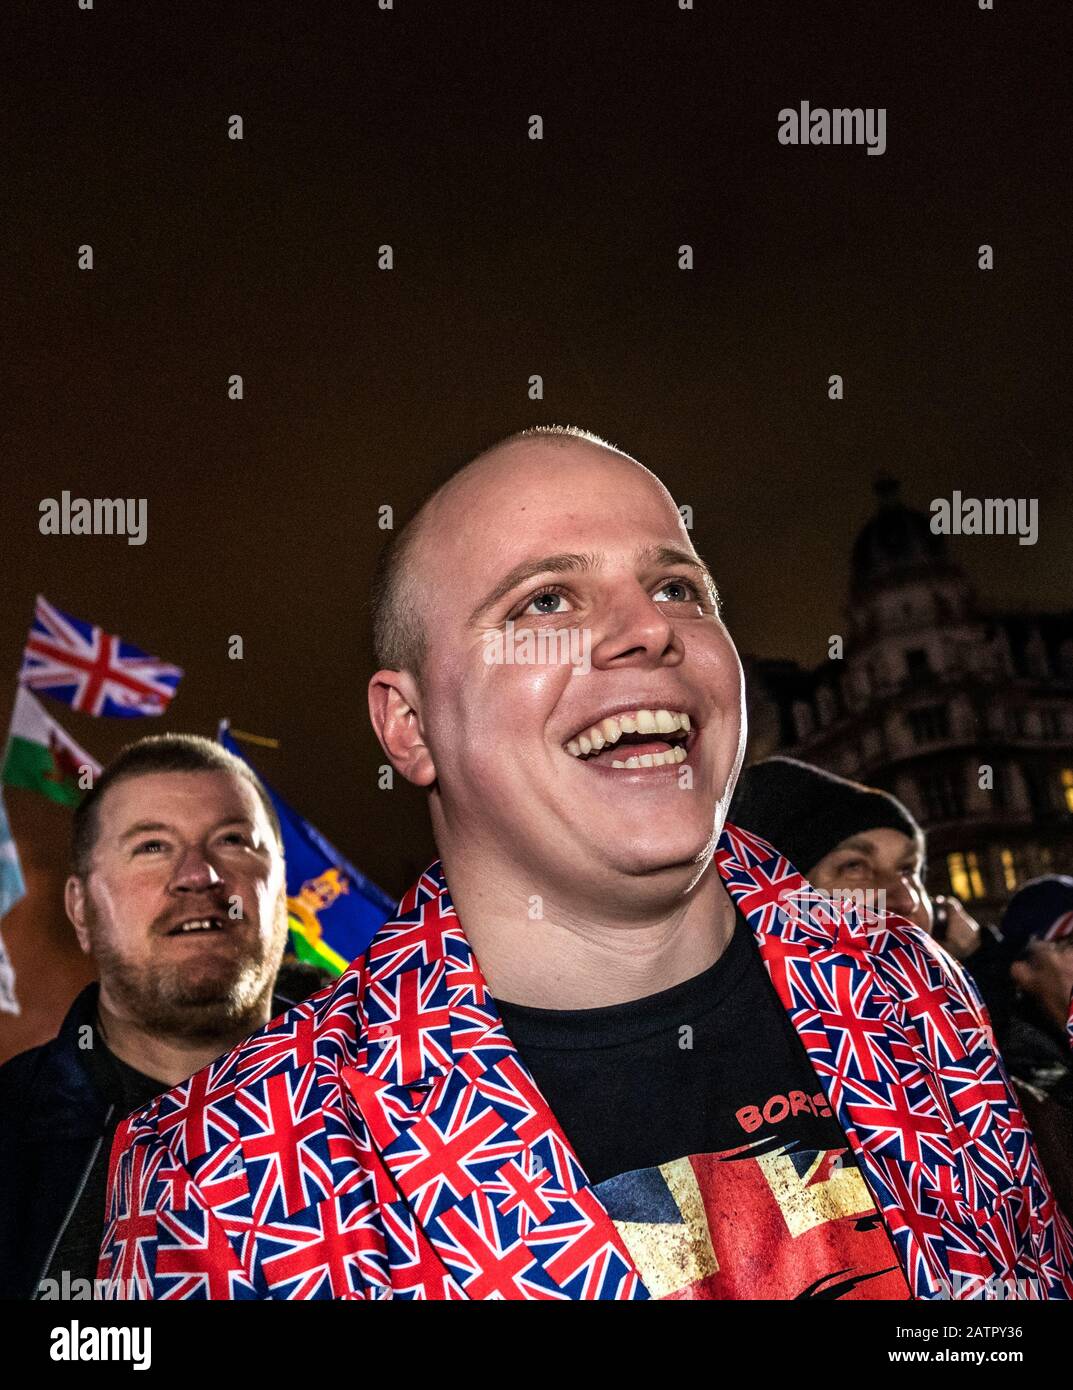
x=512 y=257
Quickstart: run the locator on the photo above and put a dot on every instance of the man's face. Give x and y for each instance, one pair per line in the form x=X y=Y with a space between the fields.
x=557 y=538
x=1046 y=973
x=184 y=907
x=882 y=860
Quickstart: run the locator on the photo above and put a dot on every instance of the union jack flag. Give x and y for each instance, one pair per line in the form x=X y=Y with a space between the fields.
x=84 y=667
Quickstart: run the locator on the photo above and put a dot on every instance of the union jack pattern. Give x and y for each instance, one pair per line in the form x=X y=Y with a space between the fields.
x=385 y=1140
x=84 y=667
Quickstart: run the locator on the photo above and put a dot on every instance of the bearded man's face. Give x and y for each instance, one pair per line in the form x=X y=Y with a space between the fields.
x=184 y=906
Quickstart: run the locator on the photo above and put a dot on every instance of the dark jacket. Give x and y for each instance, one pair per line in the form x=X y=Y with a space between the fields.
x=1036 y=1053
x=57 y=1111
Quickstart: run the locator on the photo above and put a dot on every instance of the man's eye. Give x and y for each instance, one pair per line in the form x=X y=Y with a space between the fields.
x=149 y=846
x=235 y=837
x=853 y=865
x=687 y=592
x=545 y=603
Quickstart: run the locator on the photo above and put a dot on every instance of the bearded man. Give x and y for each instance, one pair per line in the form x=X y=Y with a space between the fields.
x=177 y=892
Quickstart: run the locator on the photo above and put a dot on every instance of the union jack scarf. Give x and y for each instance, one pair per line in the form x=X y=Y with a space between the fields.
x=384 y=1140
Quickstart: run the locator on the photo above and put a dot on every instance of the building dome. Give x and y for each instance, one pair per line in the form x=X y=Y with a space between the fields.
x=897 y=543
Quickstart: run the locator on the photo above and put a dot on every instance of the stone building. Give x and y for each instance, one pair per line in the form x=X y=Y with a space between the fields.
x=965 y=714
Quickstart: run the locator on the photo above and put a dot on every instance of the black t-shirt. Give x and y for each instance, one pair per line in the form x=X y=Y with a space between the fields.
x=703 y=1128
x=126 y=1090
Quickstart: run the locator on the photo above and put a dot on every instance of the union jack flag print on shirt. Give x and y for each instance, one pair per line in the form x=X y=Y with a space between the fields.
x=384 y=1140
x=82 y=666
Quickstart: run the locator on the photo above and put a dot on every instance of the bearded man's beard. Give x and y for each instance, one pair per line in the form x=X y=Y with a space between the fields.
x=198 y=1000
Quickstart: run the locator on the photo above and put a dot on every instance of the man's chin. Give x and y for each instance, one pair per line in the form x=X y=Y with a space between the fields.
x=203 y=1006
x=656 y=854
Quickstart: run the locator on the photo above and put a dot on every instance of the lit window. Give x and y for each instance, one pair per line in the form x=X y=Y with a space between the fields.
x=1067 y=787
x=1009 y=872
x=959 y=879
x=965 y=878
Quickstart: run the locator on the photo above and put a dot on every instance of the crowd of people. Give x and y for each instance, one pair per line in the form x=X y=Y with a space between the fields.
x=594 y=1055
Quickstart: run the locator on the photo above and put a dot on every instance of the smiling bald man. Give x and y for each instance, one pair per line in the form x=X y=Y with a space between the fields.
x=609 y=1047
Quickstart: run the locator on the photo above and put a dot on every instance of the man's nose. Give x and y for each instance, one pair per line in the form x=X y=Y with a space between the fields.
x=634 y=632
x=901 y=898
x=194 y=872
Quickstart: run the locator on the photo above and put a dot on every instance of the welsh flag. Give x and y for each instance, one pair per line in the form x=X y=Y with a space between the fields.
x=42 y=757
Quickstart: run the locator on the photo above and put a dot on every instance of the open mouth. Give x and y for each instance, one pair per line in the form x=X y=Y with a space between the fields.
x=635 y=739
x=195 y=925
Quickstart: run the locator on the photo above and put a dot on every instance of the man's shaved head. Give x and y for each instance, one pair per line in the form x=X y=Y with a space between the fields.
x=550 y=537
x=399 y=637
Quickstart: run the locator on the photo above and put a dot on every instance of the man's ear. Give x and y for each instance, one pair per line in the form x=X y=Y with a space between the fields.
x=1021 y=974
x=395 y=711
x=74 y=900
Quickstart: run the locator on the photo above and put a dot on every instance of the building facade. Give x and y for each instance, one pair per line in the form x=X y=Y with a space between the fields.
x=966 y=715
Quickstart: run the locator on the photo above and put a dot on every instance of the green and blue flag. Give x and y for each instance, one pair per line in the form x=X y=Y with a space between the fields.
x=333 y=910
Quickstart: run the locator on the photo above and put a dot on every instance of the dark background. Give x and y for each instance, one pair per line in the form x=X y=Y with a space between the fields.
x=512 y=257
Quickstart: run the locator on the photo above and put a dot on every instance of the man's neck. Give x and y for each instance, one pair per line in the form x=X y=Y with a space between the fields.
x=584 y=956
x=169 y=1060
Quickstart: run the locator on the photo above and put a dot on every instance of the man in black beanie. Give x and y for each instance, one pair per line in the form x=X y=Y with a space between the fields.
x=1033 y=1020
x=851 y=839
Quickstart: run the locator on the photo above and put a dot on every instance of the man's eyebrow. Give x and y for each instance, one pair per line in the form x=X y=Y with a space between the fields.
x=866 y=845
x=546 y=564
x=675 y=555
x=143 y=827
x=857 y=843
x=567 y=563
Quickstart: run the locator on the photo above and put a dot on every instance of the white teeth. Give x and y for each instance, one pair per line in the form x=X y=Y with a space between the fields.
x=643 y=721
x=667 y=758
x=202 y=924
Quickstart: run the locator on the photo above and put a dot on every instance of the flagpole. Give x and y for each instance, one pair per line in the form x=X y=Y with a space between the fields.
x=243 y=737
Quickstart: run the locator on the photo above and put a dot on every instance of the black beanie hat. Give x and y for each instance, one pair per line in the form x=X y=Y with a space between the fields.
x=804 y=812
x=1041 y=907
